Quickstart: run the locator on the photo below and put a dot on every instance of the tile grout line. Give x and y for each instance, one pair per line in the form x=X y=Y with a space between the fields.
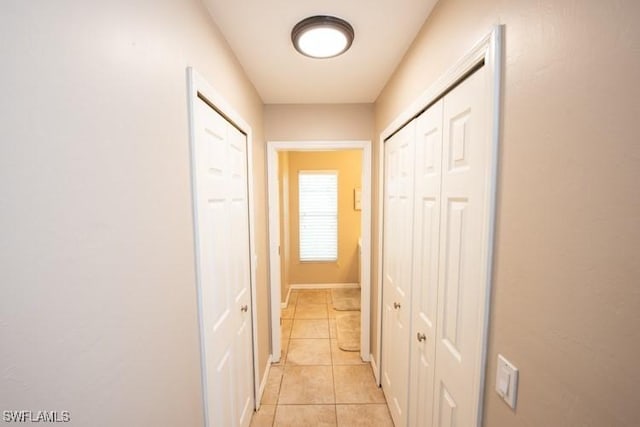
x=334 y=361
x=333 y=372
x=284 y=362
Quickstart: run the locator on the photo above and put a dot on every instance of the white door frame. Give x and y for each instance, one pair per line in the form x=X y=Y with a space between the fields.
x=274 y=234
x=196 y=84
x=489 y=50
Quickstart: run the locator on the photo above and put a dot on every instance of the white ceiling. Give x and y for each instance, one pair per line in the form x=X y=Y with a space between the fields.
x=259 y=32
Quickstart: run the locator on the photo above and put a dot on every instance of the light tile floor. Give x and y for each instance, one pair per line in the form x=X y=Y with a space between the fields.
x=315 y=383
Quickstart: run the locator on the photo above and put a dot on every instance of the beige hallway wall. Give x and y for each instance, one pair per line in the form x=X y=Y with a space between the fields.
x=98 y=308
x=317 y=122
x=567 y=259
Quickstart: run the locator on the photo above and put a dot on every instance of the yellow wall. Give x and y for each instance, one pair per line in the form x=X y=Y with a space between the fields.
x=348 y=163
x=566 y=293
x=283 y=189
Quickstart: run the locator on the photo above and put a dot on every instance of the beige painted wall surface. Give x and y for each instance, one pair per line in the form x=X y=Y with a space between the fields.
x=283 y=198
x=348 y=163
x=567 y=261
x=335 y=122
x=98 y=309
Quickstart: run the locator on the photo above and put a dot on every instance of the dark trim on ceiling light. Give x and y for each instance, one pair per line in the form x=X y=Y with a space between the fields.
x=319 y=21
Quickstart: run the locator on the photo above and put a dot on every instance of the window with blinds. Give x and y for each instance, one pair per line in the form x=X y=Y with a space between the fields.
x=318 y=207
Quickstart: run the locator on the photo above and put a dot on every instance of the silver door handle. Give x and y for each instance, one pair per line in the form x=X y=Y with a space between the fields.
x=396 y=305
x=421 y=337
x=244 y=308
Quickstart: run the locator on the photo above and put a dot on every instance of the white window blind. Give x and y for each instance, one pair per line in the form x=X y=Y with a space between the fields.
x=318 y=206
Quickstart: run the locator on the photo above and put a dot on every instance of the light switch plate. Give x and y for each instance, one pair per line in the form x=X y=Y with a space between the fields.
x=507 y=381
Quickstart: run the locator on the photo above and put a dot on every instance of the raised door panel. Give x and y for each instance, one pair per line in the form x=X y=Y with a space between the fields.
x=464 y=229
x=426 y=239
x=397 y=261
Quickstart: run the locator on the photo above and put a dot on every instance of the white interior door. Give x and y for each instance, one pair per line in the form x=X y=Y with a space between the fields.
x=464 y=234
x=398 y=236
x=428 y=177
x=223 y=267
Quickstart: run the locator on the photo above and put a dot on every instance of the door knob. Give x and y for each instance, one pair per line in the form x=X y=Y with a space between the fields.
x=421 y=337
x=396 y=305
x=244 y=308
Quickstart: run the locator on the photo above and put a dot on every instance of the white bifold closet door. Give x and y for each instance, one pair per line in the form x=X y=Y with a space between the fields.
x=464 y=235
x=426 y=247
x=447 y=254
x=223 y=267
x=398 y=233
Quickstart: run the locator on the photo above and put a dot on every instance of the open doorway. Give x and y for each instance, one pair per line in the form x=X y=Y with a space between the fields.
x=350 y=265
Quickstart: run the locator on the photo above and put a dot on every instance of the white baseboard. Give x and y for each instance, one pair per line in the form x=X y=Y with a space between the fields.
x=374 y=366
x=323 y=285
x=285 y=304
x=263 y=383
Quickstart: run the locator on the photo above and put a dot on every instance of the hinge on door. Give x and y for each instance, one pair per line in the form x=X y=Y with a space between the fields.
x=278 y=249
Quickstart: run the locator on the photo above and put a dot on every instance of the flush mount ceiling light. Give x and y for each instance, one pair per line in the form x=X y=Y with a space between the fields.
x=322 y=36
